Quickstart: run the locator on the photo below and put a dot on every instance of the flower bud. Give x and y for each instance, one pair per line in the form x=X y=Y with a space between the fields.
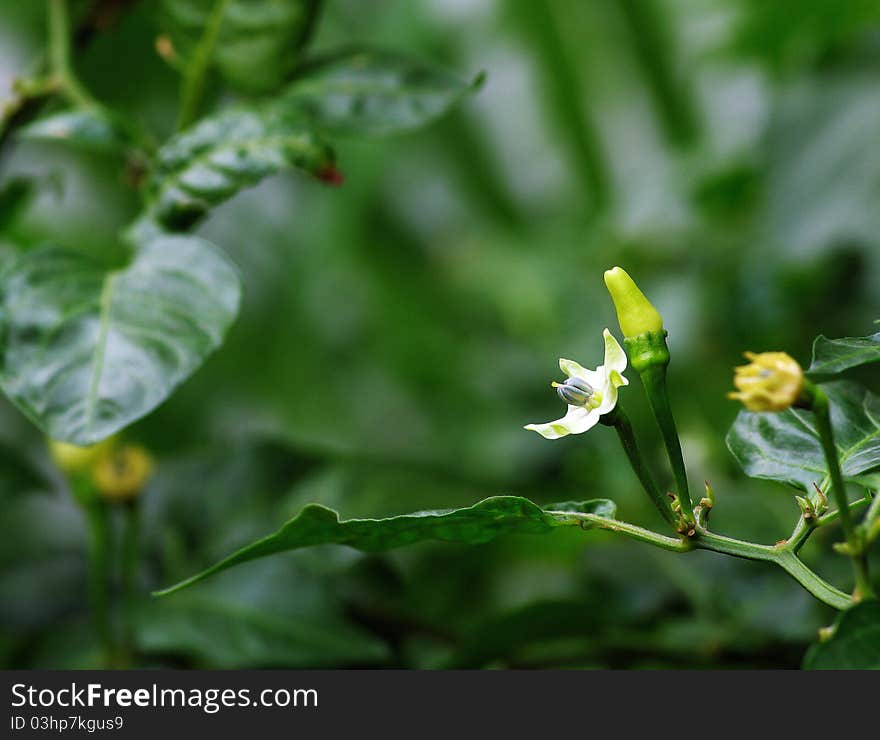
x=772 y=381
x=635 y=314
x=75 y=460
x=121 y=475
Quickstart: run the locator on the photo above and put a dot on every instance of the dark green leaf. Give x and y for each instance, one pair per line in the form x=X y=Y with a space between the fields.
x=855 y=644
x=785 y=447
x=258 y=42
x=482 y=522
x=374 y=92
x=83 y=127
x=209 y=163
x=836 y=355
x=86 y=352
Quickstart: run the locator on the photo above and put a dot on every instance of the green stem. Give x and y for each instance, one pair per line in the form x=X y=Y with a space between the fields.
x=820 y=407
x=821 y=589
x=673 y=544
x=621 y=423
x=130 y=564
x=833 y=516
x=197 y=70
x=99 y=573
x=778 y=555
x=781 y=555
x=802 y=531
x=654 y=381
x=873 y=512
x=59 y=56
x=804 y=528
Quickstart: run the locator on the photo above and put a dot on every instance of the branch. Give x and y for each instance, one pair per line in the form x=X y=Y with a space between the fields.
x=781 y=555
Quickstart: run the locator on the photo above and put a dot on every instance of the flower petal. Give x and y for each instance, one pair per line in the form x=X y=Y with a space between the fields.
x=577 y=421
x=617 y=379
x=609 y=393
x=573 y=370
x=615 y=357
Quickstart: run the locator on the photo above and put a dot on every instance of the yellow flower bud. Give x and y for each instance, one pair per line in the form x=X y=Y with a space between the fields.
x=772 y=381
x=122 y=475
x=635 y=314
x=75 y=460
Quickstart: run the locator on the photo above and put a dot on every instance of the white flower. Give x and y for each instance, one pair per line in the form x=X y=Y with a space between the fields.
x=589 y=393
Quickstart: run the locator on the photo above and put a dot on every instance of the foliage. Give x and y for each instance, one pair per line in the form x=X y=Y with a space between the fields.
x=785 y=447
x=384 y=342
x=854 y=644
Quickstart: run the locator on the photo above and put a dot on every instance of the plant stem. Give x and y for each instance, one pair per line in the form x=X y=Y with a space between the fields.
x=780 y=555
x=194 y=77
x=821 y=589
x=654 y=380
x=59 y=56
x=873 y=512
x=99 y=573
x=833 y=516
x=621 y=423
x=632 y=531
x=130 y=563
x=820 y=407
x=804 y=528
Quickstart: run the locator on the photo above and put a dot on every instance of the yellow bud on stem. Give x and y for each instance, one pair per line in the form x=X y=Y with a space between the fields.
x=772 y=381
x=75 y=460
x=635 y=314
x=122 y=475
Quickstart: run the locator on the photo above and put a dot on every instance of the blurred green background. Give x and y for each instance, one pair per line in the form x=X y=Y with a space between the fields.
x=396 y=334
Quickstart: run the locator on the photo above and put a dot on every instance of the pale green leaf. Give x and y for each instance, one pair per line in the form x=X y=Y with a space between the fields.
x=85 y=128
x=258 y=43
x=86 y=352
x=482 y=522
x=204 y=166
x=371 y=92
x=836 y=355
x=785 y=446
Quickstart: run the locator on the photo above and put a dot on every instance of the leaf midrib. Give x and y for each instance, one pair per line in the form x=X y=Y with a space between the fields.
x=105 y=306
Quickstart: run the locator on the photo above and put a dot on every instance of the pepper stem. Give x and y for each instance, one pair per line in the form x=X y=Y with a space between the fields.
x=620 y=421
x=820 y=406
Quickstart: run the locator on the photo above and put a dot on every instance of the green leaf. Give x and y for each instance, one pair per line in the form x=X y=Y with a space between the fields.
x=832 y=356
x=204 y=166
x=86 y=352
x=86 y=128
x=482 y=522
x=855 y=644
x=369 y=92
x=258 y=42
x=785 y=447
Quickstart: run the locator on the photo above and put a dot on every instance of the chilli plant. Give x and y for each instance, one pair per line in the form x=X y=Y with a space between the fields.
x=807 y=429
x=85 y=351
